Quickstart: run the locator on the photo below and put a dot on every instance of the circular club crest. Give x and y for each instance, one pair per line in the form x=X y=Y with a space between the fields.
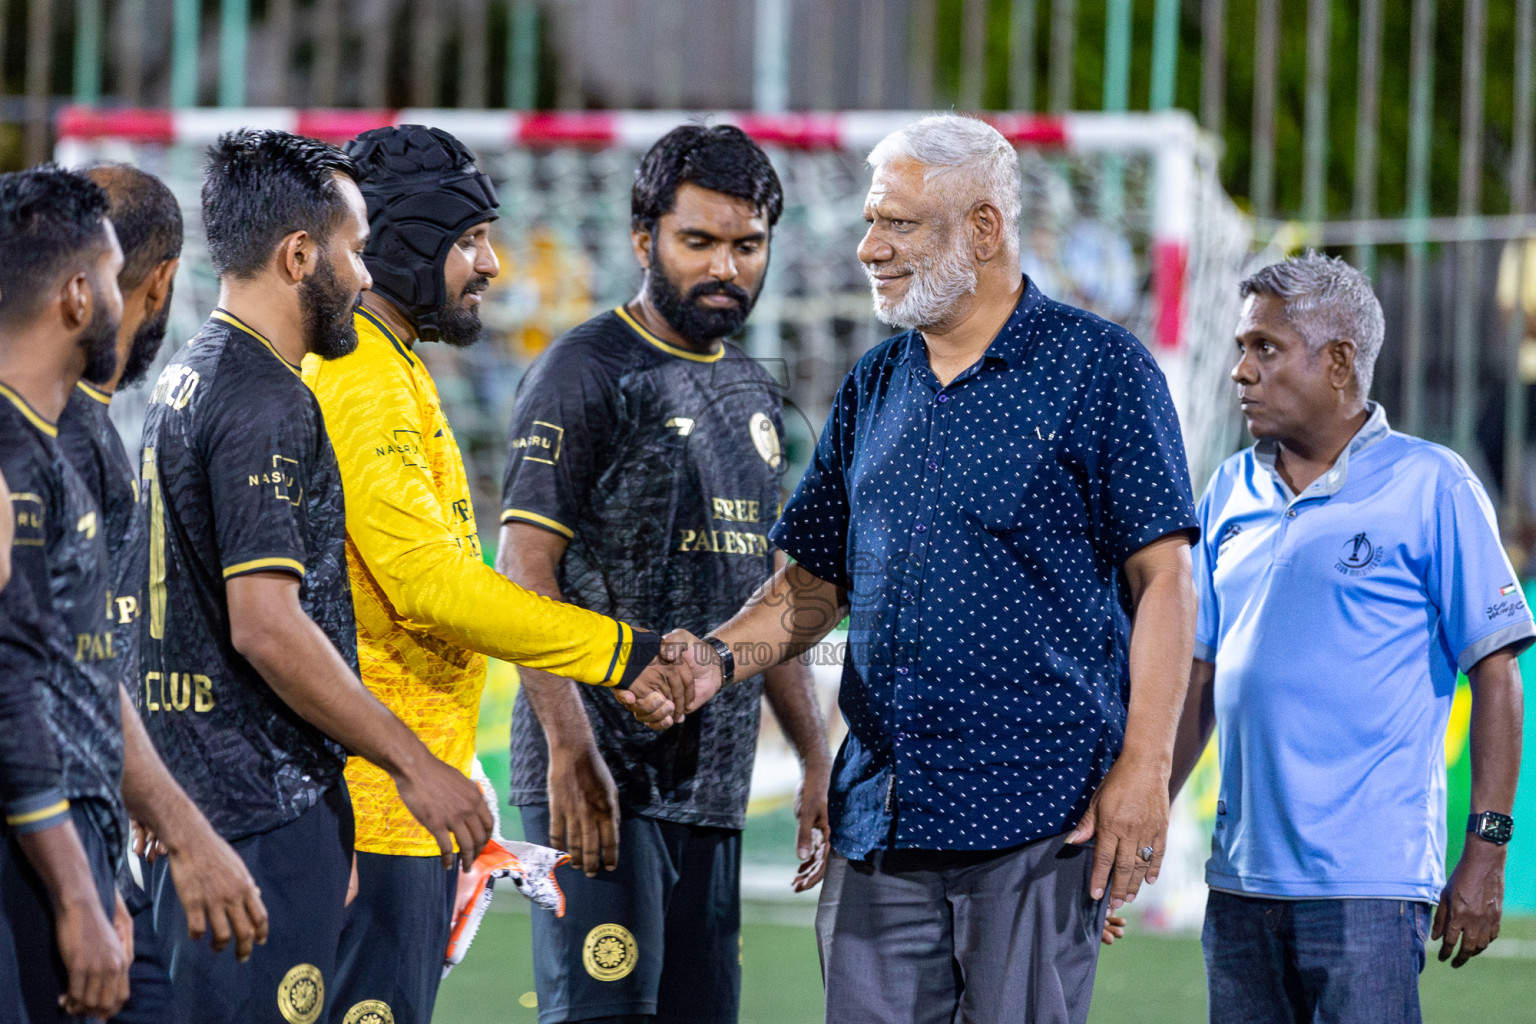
x=609 y=952
x=766 y=439
x=301 y=995
x=1358 y=555
x=370 y=1011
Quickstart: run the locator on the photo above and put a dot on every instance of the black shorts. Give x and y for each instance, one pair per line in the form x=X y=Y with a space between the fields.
x=661 y=935
x=150 y=999
x=395 y=940
x=29 y=949
x=302 y=870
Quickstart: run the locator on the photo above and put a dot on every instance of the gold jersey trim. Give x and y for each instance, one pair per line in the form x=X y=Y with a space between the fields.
x=38 y=815
x=101 y=396
x=257 y=564
x=671 y=350
x=538 y=520
x=234 y=321
x=33 y=416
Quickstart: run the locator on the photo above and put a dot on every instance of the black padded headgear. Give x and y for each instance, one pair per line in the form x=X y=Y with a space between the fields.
x=423 y=191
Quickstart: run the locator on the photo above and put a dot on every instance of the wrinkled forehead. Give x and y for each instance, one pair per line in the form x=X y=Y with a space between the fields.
x=904 y=182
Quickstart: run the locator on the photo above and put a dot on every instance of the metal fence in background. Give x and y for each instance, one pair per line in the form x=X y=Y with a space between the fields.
x=1399 y=133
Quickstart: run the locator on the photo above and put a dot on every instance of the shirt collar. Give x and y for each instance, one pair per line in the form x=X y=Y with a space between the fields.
x=225 y=316
x=1011 y=341
x=1374 y=429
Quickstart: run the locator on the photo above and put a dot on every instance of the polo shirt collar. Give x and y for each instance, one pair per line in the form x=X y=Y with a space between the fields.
x=1374 y=429
x=1009 y=344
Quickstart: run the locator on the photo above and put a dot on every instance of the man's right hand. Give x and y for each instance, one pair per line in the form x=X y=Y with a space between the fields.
x=448 y=805
x=217 y=893
x=93 y=958
x=583 y=808
x=702 y=662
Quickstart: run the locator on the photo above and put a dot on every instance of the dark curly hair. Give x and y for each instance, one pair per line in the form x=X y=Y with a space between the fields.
x=50 y=220
x=262 y=185
x=721 y=158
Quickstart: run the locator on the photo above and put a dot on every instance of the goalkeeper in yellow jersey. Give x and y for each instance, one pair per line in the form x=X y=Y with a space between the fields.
x=428 y=609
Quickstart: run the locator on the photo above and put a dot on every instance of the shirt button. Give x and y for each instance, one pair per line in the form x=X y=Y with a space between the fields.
x=902 y=670
x=921 y=528
x=943 y=398
x=906 y=595
x=933 y=466
x=1290 y=513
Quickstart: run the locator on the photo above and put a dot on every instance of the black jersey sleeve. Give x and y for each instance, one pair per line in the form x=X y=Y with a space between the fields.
x=257 y=467
x=565 y=423
x=31 y=789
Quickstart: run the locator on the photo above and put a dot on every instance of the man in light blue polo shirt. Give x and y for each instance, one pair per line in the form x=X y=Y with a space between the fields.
x=1346 y=572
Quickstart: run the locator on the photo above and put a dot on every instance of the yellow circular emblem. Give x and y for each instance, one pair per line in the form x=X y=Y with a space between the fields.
x=610 y=952
x=370 y=1011
x=301 y=996
x=765 y=438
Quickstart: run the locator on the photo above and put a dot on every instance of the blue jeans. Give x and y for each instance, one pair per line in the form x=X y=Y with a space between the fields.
x=1335 y=961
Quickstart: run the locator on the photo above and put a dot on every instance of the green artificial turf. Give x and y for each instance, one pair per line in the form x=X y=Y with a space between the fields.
x=1143 y=979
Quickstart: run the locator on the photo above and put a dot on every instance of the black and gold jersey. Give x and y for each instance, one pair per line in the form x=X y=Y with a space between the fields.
x=238 y=476
x=663 y=468
x=94 y=448
x=60 y=565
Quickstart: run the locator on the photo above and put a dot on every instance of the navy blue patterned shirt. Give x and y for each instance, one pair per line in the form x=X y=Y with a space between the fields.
x=980 y=530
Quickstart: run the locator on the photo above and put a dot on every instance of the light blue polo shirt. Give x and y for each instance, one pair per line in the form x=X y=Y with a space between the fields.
x=1337 y=620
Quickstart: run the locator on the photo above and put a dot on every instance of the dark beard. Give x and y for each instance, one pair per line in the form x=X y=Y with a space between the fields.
x=145 y=346
x=457 y=324
x=327 y=308
x=99 y=339
x=699 y=325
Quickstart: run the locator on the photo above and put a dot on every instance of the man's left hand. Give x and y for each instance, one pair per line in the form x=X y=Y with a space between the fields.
x=1127 y=814
x=1472 y=904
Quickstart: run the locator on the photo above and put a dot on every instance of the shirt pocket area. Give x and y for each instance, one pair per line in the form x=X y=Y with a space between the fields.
x=1005 y=495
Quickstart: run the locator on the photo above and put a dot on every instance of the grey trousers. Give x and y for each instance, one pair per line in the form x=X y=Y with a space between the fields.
x=930 y=937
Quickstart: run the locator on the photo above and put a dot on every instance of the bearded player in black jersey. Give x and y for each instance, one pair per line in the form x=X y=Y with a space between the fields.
x=60 y=774
x=217 y=892
x=248 y=665
x=643 y=476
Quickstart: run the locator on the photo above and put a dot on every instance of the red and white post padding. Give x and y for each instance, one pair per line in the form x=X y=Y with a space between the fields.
x=1171 y=137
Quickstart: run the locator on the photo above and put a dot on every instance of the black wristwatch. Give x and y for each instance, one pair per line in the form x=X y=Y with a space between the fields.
x=727 y=659
x=1491 y=825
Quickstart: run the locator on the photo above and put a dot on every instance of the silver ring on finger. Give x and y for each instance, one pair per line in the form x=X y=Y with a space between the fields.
x=1146 y=853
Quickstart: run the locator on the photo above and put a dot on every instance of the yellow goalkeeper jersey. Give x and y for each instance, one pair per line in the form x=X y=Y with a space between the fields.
x=428 y=608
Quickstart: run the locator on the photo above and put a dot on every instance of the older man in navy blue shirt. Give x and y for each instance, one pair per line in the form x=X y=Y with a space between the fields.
x=1000 y=499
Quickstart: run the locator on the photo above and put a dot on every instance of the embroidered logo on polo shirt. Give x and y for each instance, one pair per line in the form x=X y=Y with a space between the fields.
x=1228 y=535
x=1358 y=556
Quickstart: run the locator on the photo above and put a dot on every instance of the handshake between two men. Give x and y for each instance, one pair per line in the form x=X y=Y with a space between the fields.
x=684 y=676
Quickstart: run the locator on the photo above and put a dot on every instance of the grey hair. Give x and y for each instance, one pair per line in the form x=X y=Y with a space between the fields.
x=1326 y=299
x=968 y=148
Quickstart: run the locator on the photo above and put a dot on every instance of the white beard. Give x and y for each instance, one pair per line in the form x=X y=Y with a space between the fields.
x=937 y=283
